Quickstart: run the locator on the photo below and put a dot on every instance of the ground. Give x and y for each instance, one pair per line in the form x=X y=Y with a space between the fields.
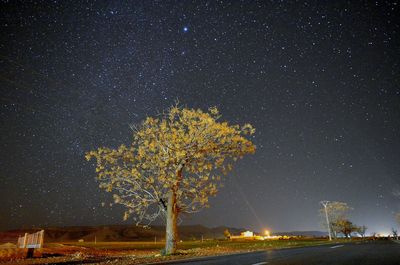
x=140 y=252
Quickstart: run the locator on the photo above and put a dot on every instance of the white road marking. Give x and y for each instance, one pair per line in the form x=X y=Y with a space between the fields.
x=338 y=246
x=260 y=263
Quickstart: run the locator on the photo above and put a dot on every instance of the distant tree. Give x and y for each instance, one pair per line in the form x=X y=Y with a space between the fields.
x=345 y=227
x=336 y=211
x=172 y=166
x=227 y=234
x=362 y=230
x=394 y=233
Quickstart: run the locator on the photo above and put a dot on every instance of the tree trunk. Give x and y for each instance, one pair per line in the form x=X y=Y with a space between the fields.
x=171 y=228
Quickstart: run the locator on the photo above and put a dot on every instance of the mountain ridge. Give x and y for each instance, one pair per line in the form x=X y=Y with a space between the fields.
x=134 y=233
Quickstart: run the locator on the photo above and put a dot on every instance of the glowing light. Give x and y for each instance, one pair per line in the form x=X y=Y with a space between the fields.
x=248 y=234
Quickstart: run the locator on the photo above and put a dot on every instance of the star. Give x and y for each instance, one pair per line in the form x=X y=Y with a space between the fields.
x=300 y=73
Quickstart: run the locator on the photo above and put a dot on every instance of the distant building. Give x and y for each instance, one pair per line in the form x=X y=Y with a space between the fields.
x=249 y=235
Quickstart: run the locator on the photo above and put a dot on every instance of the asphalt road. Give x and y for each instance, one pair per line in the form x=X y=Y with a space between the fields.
x=382 y=252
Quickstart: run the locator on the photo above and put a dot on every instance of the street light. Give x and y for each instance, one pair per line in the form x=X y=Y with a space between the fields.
x=325 y=204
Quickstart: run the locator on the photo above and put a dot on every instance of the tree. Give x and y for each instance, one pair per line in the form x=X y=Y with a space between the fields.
x=332 y=213
x=394 y=233
x=362 y=230
x=344 y=226
x=173 y=165
x=227 y=234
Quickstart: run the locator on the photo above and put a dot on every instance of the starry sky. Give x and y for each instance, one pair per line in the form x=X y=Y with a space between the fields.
x=319 y=80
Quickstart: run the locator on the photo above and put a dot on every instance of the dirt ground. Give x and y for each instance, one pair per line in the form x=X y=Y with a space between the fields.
x=68 y=254
x=135 y=252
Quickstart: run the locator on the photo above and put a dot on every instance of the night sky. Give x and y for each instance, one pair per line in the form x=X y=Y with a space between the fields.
x=320 y=82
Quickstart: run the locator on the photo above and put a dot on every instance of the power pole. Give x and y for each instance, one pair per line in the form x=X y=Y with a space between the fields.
x=325 y=204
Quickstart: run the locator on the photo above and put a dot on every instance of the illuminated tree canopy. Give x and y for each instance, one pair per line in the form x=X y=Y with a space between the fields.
x=174 y=163
x=337 y=215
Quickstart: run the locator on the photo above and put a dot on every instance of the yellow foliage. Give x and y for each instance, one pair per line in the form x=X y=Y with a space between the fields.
x=183 y=151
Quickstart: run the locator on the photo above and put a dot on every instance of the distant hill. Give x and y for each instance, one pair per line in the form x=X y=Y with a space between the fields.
x=134 y=233
x=119 y=233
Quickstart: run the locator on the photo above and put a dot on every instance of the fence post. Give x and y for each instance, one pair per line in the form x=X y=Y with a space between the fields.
x=41 y=238
x=25 y=239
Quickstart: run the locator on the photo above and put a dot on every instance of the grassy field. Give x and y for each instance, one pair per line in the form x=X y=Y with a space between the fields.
x=235 y=244
x=144 y=252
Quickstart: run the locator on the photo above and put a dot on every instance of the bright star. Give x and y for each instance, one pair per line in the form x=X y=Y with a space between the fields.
x=185 y=29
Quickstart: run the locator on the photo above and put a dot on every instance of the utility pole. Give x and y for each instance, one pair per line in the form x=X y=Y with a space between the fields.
x=325 y=204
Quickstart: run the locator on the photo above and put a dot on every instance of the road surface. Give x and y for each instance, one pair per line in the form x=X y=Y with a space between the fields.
x=382 y=252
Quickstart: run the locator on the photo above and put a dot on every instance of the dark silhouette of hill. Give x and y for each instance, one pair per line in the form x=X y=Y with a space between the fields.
x=112 y=233
x=119 y=233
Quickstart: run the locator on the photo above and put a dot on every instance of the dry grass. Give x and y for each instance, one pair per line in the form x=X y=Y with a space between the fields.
x=141 y=252
x=10 y=254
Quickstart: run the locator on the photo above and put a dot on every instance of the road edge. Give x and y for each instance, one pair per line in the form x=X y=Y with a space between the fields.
x=194 y=259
